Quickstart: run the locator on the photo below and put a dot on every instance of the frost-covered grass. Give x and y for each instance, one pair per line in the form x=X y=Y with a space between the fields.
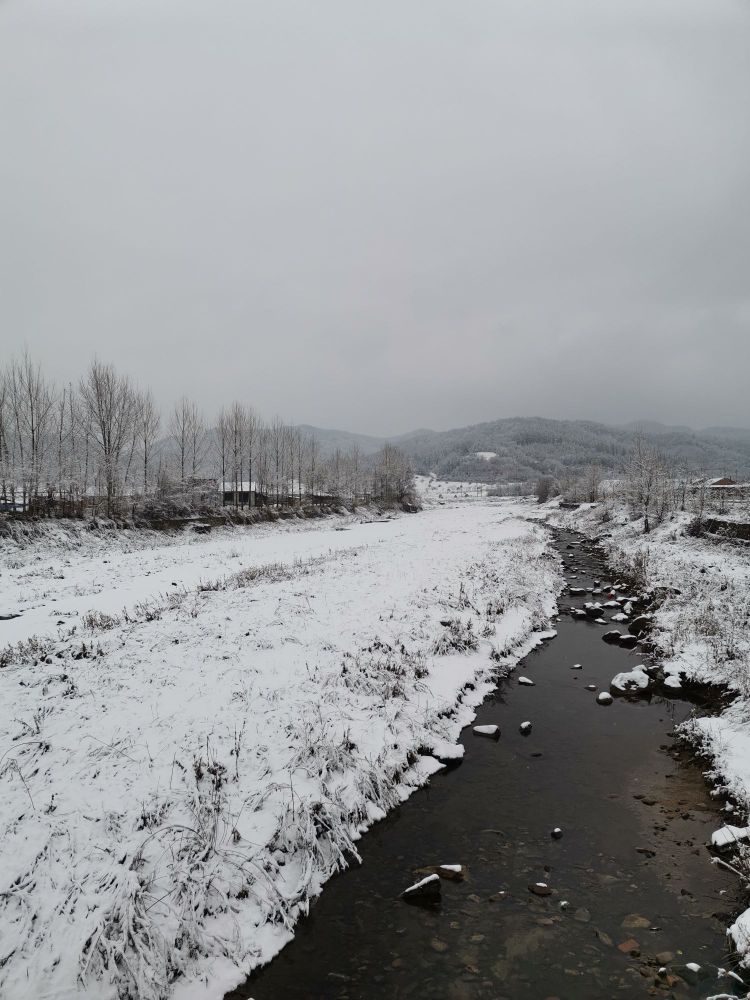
x=701 y=632
x=181 y=774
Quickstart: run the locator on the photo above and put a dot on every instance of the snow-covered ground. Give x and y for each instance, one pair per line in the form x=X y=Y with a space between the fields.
x=444 y=492
x=702 y=631
x=70 y=570
x=183 y=767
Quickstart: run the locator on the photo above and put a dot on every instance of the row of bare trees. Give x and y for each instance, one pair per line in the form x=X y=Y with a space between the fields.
x=103 y=445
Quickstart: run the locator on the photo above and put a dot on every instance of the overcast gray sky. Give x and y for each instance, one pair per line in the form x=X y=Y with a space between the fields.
x=382 y=215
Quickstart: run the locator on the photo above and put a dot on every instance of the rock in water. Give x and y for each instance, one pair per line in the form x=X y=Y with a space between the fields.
x=613 y=636
x=556 y=833
x=692 y=972
x=628 y=641
x=424 y=892
x=540 y=889
x=452 y=873
x=633 y=680
x=492 y=731
x=630 y=947
x=526 y=680
x=604 y=698
x=640 y=624
x=525 y=728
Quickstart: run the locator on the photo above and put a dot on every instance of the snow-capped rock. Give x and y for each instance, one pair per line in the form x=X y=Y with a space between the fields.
x=729 y=835
x=491 y=731
x=427 y=890
x=632 y=680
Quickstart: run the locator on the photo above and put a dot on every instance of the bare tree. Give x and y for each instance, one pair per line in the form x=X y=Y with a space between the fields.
x=109 y=402
x=335 y=471
x=544 y=489
x=593 y=482
x=277 y=441
x=6 y=478
x=354 y=472
x=312 y=473
x=148 y=421
x=252 y=441
x=236 y=433
x=224 y=439
x=300 y=454
x=31 y=400
x=645 y=479
x=393 y=475
x=188 y=432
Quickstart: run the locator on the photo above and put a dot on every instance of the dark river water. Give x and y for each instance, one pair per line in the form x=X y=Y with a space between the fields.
x=631 y=864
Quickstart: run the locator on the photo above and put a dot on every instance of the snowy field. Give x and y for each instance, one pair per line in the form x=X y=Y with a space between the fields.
x=701 y=630
x=184 y=766
x=51 y=581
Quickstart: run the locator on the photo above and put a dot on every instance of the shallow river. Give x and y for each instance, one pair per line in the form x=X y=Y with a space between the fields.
x=631 y=864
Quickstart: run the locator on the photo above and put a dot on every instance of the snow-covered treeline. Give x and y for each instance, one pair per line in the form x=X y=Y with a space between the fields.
x=103 y=446
x=653 y=489
x=179 y=778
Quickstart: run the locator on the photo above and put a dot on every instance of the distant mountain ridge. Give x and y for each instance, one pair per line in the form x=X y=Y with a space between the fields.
x=330 y=439
x=529 y=447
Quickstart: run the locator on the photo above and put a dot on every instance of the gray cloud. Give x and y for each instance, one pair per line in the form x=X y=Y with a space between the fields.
x=384 y=215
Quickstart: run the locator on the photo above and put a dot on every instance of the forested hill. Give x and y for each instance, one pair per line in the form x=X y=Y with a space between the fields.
x=528 y=447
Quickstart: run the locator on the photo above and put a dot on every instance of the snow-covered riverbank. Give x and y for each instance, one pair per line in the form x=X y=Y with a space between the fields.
x=701 y=631
x=185 y=770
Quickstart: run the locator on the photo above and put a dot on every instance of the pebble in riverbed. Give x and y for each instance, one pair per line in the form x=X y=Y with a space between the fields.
x=540 y=889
